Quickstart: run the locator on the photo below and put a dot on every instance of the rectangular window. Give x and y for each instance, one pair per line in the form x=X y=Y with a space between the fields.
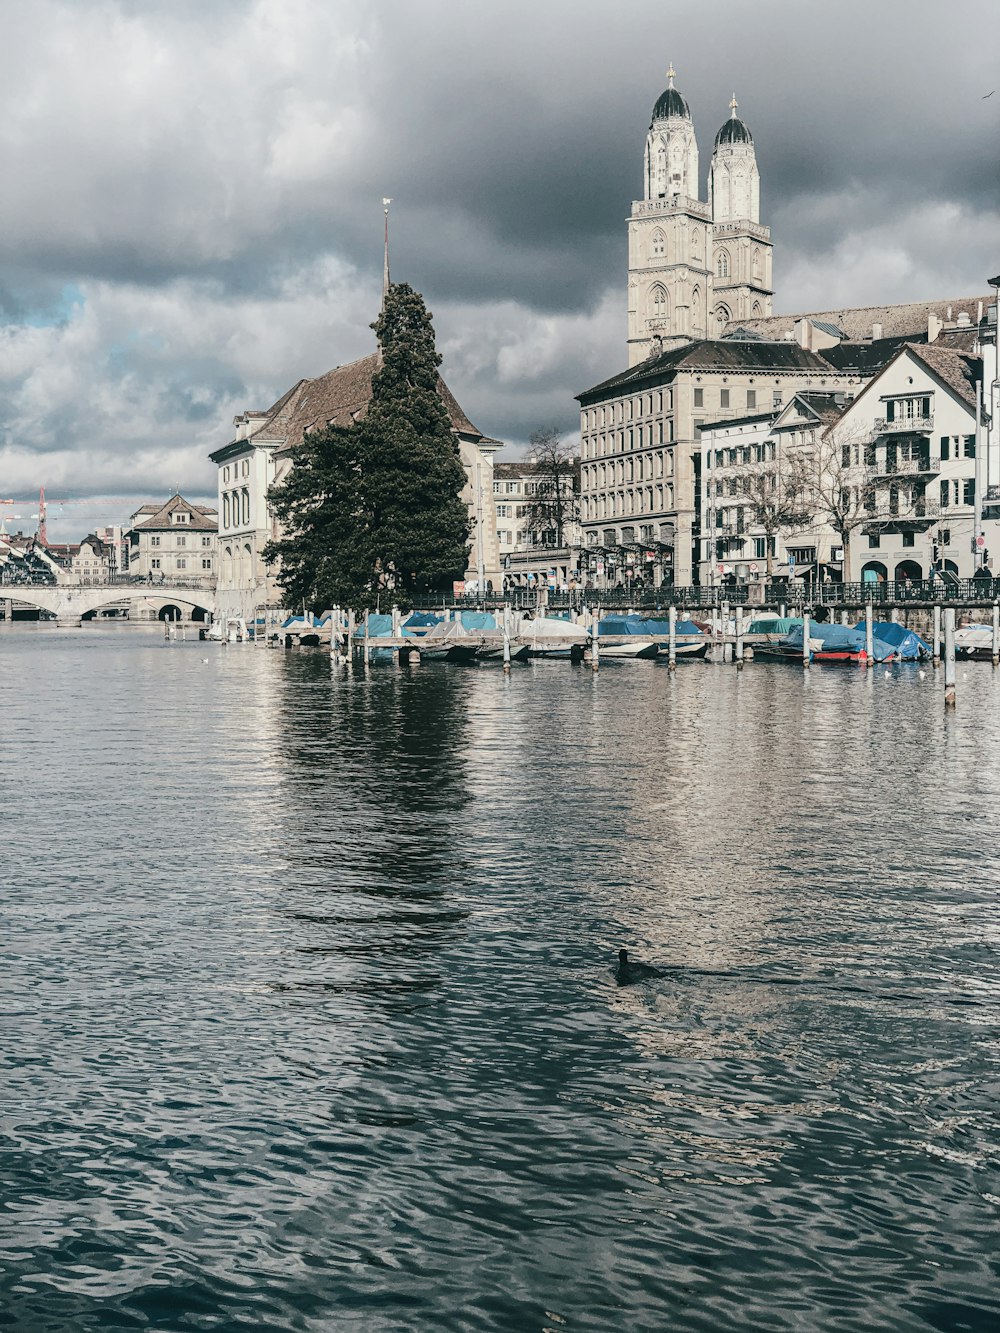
x=154 y=541
x=776 y=399
x=908 y=539
x=759 y=548
x=969 y=496
x=724 y=398
x=945 y=448
x=206 y=564
x=945 y=493
x=181 y=541
x=699 y=397
x=751 y=400
x=206 y=541
x=496 y=488
x=970 y=446
x=154 y=563
x=181 y=563
x=873 y=540
x=510 y=488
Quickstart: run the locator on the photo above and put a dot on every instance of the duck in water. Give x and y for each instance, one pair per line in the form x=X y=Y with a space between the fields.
x=626 y=973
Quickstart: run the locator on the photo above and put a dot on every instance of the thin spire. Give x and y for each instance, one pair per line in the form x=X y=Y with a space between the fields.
x=732 y=108
x=671 y=75
x=385 y=265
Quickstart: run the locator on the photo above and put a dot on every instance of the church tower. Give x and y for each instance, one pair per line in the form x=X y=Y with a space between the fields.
x=741 y=247
x=669 y=237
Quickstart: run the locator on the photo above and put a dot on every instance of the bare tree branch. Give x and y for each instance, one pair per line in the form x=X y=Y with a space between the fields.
x=557 y=487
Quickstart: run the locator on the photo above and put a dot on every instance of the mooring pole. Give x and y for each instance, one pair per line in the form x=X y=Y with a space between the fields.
x=949 y=657
x=936 y=640
x=506 y=640
x=869 y=637
x=672 y=638
x=595 y=642
x=739 y=638
x=805 y=639
x=996 y=633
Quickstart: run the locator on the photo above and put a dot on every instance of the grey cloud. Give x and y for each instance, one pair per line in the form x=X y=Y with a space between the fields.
x=210 y=177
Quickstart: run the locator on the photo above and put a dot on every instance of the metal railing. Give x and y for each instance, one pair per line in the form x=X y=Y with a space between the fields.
x=907 y=467
x=904 y=425
x=138 y=581
x=794 y=594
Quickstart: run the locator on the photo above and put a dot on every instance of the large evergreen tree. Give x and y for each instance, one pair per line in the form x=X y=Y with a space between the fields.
x=376 y=506
x=411 y=468
x=323 y=553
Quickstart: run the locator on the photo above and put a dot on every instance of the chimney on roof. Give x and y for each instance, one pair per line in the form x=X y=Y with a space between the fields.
x=963 y=319
x=979 y=313
x=839 y=399
x=876 y=332
x=934 y=325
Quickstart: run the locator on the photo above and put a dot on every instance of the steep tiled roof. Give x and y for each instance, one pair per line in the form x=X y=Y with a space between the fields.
x=709 y=354
x=896 y=320
x=957 y=369
x=200 y=517
x=336 y=399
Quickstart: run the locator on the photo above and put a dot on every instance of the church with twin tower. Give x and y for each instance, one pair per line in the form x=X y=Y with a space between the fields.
x=694 y=266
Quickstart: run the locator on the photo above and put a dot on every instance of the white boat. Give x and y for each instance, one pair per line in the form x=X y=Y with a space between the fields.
x=549 y=637
x=635 y=647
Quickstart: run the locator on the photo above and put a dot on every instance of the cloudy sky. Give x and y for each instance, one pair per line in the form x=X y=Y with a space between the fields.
x=191 y=213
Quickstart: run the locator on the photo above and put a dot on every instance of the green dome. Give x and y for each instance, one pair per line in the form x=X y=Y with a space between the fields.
x=734 y=131
x=670 y=103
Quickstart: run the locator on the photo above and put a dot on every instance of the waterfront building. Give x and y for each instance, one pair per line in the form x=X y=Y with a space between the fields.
x=748 y=480
x=92 y=561
x=175 y=539
x=916 y=452
x=904 y=460
x=259 y=456
x=527 y=536
x=640 y=443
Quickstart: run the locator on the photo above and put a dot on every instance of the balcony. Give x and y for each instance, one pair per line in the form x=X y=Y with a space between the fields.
x=908 y=467
x=903 y=426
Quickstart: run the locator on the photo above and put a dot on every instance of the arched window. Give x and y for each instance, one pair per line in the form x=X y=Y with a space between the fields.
x=756 y=262
x=756 y=312
x=722 y=264
x=658 y=306
x=246 y=506
x=659 y=246
x=722 y=316
x=225 y=510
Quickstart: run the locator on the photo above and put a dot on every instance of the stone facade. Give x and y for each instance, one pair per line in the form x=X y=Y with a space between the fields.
x=640 y=431
x=173 y=542
x=694 y=266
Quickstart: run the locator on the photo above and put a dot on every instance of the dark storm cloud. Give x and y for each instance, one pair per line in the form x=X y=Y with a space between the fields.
x=208 y=179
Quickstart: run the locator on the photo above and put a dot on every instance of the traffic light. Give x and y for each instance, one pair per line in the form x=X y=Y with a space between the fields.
x=935 y=554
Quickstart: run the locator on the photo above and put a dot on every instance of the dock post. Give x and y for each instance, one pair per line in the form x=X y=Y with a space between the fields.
x=739 y=638
x=782 y=608
x=894 y=614
x=996 y=633
x=395 y=622
x=367 y=640
x=936 y=639
x=845 y=619
x=351 y=627
x=723 y=627
x=672 y=638
x=805 y=640
x=869 y=637
x=949 y=657
x=595 y=642
x=506 y=640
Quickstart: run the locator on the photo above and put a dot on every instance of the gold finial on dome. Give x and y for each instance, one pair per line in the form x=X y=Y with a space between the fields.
x=670 y=75
x=732 y=107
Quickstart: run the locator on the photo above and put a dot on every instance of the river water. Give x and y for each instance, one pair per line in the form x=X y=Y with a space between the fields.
x=309 y=1021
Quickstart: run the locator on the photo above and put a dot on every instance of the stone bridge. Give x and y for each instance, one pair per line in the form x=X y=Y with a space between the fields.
x=70 y=602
